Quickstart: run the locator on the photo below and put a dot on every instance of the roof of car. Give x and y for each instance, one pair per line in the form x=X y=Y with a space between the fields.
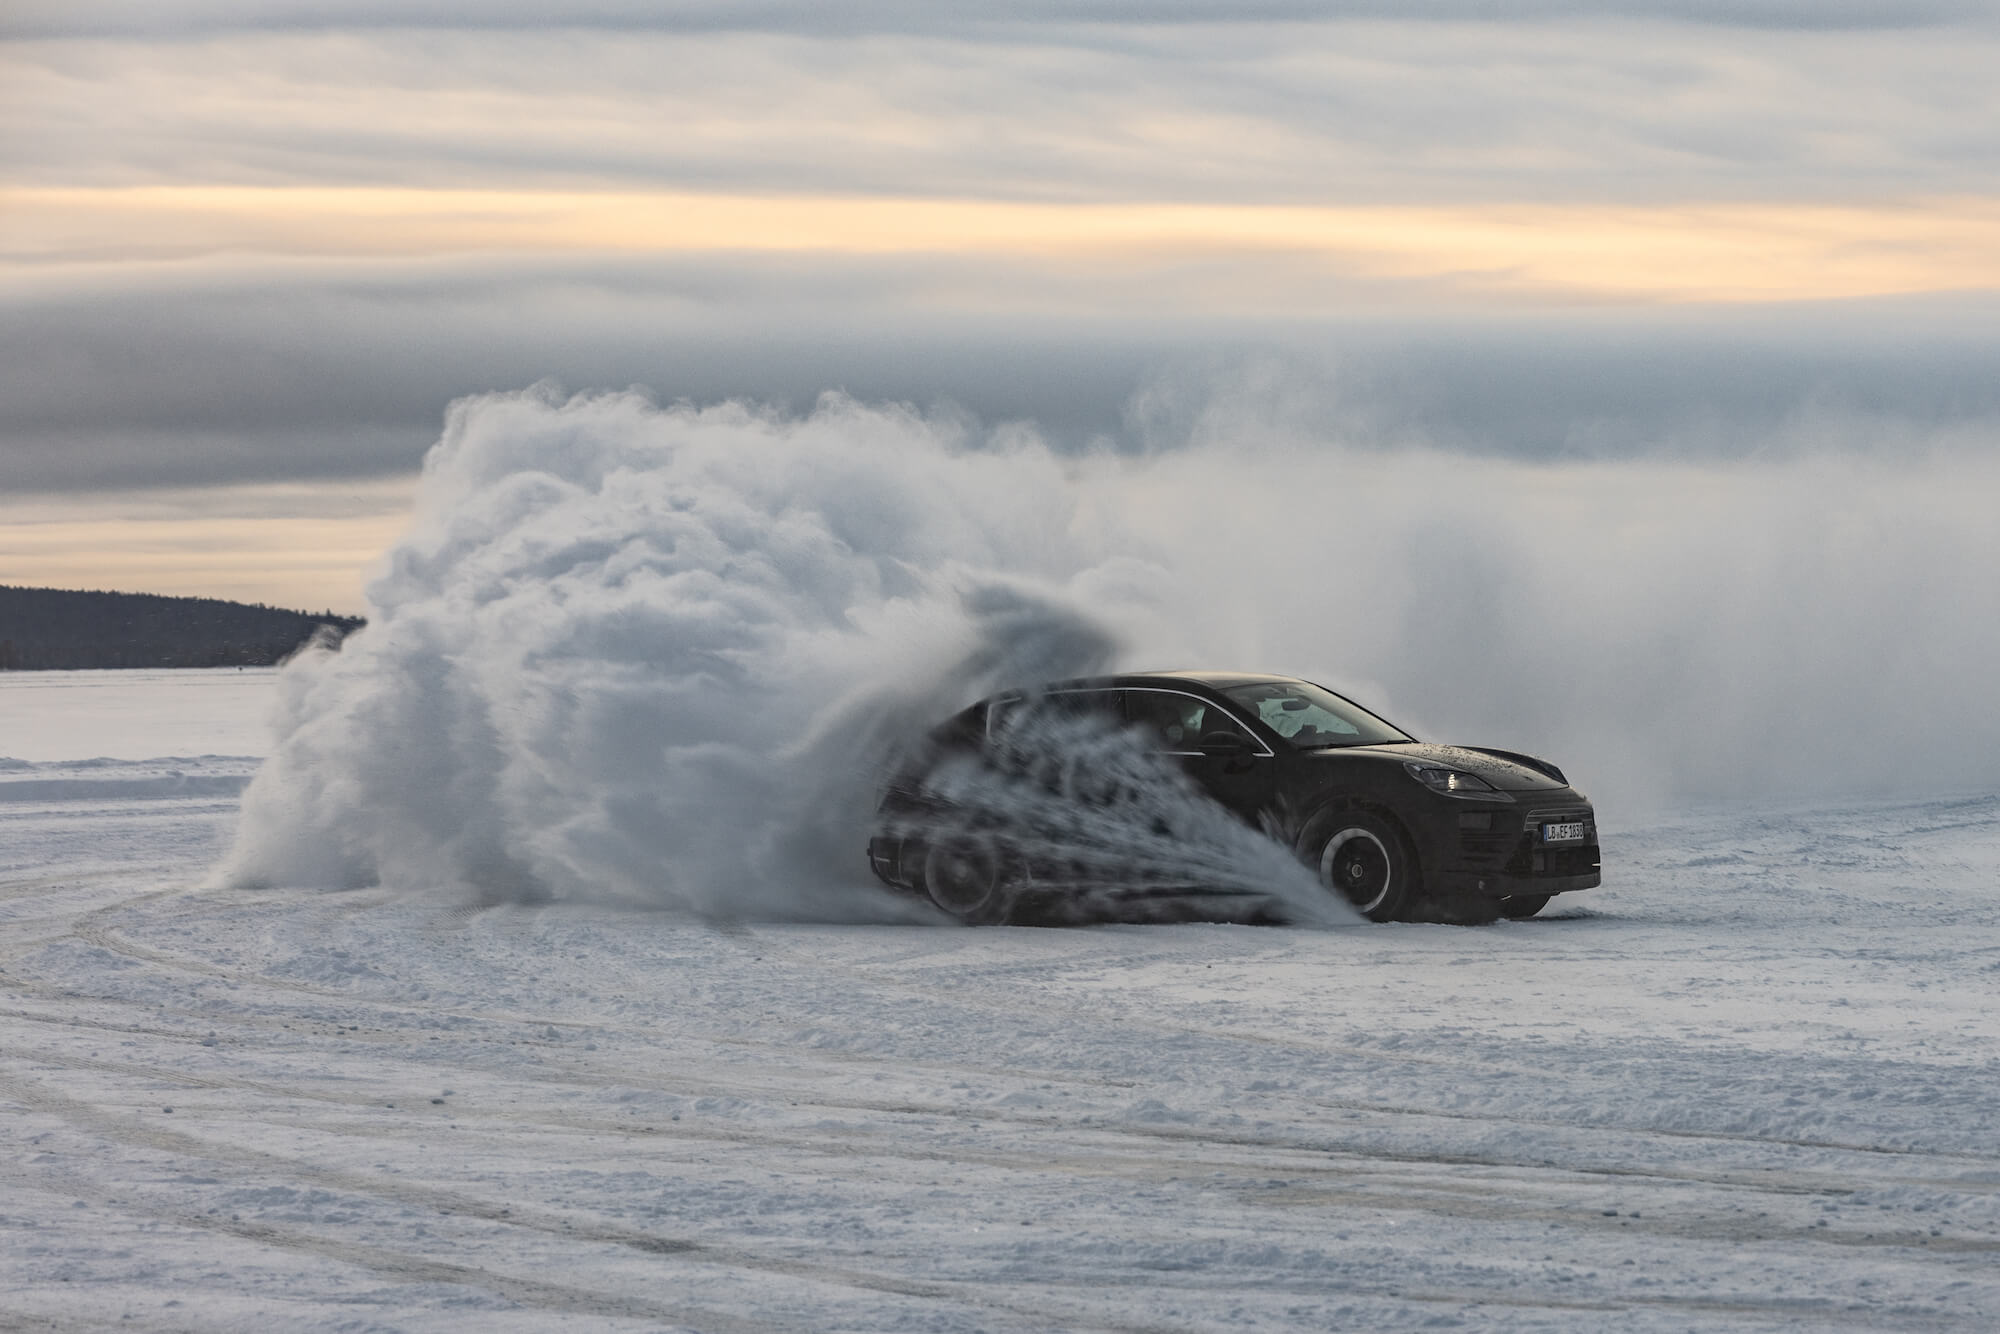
x=1207 y=678
x=1212 y=680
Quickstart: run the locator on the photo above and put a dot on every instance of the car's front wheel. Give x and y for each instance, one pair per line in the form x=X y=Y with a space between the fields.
x=966 y=876
x=1362 y=857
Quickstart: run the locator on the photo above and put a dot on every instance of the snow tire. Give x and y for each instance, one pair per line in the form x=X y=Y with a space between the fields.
x=966 y=876
x=1363 y=857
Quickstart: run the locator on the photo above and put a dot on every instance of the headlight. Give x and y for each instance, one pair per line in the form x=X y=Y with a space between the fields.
x=1455 y=782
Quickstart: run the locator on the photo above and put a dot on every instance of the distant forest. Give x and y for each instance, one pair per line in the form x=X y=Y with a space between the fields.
x=45 y=629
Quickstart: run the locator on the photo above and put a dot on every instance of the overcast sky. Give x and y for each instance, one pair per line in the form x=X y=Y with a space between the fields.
x=248 y=252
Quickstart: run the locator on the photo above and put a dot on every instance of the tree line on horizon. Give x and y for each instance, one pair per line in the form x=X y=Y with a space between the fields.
x=57 y=629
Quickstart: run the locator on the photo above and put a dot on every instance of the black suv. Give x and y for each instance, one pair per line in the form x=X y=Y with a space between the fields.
x=1402 y=828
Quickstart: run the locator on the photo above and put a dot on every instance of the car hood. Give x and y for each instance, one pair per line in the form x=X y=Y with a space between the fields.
x=1504 y=769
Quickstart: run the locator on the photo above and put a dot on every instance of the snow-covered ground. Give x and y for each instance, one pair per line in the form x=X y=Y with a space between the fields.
x=1752 y=1083
x=135 y=715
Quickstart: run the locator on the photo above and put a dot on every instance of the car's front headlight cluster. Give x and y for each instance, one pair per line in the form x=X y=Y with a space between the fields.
x=1455 y=782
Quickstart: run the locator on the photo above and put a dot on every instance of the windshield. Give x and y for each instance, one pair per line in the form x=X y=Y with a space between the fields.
x=1309 y=717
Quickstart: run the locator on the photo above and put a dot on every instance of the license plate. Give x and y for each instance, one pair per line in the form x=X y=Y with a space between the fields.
x=1568 y=832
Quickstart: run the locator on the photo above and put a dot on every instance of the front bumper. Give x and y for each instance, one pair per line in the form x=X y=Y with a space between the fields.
x=1500 y=853
x=1473 y=884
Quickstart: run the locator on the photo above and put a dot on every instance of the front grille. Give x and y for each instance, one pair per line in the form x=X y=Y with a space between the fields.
x=1481 y=850
x=1530 y=857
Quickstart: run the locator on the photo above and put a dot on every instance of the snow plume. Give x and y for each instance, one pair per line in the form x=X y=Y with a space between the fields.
x=1667 y=630
x=1095 y=826
x=664 y=656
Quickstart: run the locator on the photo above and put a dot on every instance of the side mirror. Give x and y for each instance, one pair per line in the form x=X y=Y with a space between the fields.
x=1224 y=745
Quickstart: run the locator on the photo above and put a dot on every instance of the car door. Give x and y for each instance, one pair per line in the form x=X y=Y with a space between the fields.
x=1178 y=722
x=1050 y=735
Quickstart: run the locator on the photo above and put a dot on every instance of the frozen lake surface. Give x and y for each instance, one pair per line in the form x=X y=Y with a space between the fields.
x=135 y=715
x=1751 y=1084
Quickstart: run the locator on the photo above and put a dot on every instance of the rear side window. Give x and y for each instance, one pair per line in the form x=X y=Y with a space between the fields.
x=1059 y=706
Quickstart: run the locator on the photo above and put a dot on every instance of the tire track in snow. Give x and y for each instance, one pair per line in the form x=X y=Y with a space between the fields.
x=401 y=1266
x=570 y=1066
x=573 y=1066
x=590 y=1073
x=20 y=889
x=961 y=996
x=585 y=1072
x=129 y=1130
x=566 y=1299
x=1400 y=1192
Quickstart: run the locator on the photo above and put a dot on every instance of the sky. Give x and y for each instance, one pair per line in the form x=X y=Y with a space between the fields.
x=249 y=252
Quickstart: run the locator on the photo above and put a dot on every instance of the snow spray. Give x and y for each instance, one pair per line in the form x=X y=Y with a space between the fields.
x=660 y=655
x=1086 y=822
x=667 y=656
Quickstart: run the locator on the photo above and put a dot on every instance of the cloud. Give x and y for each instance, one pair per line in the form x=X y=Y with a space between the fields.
x=1365 y=112
x=210 y=376
x=42 y=17
x=1279 y=259
x=294 y=544
x=1432 y=224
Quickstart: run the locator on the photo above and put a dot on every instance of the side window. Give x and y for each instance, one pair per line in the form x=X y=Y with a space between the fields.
x=1178 y=722
x=1059 y=707
x=1100 y=706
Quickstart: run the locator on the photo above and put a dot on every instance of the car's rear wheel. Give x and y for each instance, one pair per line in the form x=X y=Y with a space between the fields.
x=1522 y=906
x=1362 y=857
x=965 y=875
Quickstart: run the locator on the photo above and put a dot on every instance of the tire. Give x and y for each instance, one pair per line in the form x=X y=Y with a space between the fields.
x=965 y=875
x=1363 y=857
x=1523 y=906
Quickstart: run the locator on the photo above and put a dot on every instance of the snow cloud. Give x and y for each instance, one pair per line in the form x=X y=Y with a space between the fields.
x=661 y=654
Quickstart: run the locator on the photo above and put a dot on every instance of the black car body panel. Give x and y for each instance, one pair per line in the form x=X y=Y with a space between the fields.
x=1516 y=832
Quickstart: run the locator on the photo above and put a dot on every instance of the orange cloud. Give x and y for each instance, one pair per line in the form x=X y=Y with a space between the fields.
x=298 y=545
x=1679 y=253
